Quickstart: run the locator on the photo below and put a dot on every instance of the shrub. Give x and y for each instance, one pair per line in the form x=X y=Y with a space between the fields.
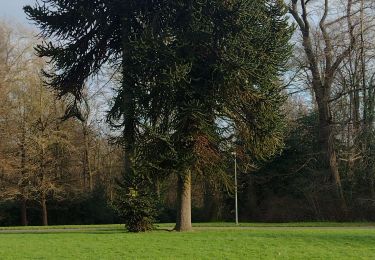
x=135 y=203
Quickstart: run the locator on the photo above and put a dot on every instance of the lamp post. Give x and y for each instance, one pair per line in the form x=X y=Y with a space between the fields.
x=235 y=185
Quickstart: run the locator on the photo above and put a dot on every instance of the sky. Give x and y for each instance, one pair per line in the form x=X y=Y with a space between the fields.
x=11 y=10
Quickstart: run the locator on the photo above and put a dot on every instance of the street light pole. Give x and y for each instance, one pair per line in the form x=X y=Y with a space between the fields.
x=235 y=186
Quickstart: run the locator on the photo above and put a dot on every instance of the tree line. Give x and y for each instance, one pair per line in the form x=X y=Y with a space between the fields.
x=43 y=156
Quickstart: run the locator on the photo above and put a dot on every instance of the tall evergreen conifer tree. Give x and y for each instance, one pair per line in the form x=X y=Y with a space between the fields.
x=194 y=74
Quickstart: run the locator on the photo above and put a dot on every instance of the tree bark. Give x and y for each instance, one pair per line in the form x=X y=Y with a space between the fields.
x=23 y=171
x=157 y=188
x=129 y=116
x=327 y=145
x=44 y=212
x=183 y=222
x=372 y=186
x=86 y=160
x=23 y=212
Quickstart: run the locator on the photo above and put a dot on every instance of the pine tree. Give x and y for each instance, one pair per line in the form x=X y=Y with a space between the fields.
x=223 y=83
x=194 y=74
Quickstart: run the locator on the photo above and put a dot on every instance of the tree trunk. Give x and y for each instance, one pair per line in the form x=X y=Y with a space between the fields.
x=44 y=212
x=183 y=222
x=157 y=188
x=23 y=213
x=128 y=87
x=372 y=186
x=322 y=79
x=86 y=160
x=327 y=145
x=23 y=171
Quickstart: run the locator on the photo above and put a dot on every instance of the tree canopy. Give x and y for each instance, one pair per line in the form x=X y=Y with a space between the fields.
x=195 y=76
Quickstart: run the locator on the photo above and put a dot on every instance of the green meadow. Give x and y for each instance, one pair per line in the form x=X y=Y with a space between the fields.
x=207 y=241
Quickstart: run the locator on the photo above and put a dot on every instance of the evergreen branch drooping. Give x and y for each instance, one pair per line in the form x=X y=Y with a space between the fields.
x=194 y=74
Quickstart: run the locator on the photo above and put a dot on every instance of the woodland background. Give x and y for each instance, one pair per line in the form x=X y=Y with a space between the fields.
x=55 y=170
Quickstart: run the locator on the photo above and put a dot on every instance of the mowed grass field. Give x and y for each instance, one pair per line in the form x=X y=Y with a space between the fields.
x=207 y=241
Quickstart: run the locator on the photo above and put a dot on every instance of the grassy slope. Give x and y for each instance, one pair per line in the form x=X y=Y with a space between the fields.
x=263 y=243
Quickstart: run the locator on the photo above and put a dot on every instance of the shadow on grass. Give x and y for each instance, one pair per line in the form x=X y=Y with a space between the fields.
x=78 y=231
x=63 y=231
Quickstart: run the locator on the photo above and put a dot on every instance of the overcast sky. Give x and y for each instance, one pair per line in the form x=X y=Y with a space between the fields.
x=11 y=10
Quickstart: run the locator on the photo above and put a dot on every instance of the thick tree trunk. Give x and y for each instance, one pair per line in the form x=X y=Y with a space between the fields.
x=129 y=105
x=23 y=213
x=322 y=78
x=327 y=146
x=44 y=212
x=183 y=222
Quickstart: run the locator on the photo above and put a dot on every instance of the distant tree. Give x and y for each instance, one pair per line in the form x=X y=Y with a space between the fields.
x=15 y=70
x=329 y=40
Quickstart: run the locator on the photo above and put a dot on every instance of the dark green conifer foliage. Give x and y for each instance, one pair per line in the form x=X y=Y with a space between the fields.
x=194 y=74
x=136 y=203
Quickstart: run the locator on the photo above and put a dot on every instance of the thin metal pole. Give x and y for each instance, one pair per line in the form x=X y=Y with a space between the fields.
x=235 y=186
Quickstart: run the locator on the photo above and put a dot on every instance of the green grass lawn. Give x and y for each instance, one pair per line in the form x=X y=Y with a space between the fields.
x=254 y=241
x=288 y=224
x=203 y=225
